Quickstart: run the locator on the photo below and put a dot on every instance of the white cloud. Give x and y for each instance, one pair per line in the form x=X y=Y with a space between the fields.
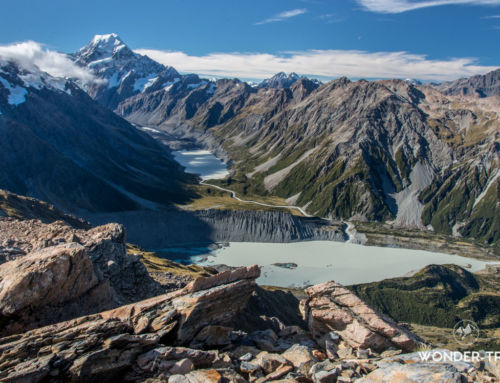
x=321 y=63
x=33 y=56
x=283 y=16
x=398 y=6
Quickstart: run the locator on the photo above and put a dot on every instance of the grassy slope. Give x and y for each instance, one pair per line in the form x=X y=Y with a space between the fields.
x=156 y=264
x=437 y=296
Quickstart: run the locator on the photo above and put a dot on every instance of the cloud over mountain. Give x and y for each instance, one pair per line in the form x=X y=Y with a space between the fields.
x=31 y=55
x=320 y=63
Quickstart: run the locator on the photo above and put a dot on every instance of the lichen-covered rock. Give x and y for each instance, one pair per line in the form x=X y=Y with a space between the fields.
x=332 y=307
x=105 y=246
x=48 y=286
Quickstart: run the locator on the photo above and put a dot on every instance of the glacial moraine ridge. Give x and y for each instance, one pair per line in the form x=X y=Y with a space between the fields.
x=156 y=229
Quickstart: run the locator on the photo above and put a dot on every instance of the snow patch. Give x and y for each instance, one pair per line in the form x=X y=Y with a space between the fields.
x=168 y=85
x=17 y=94
x=99 y=62
x=39 y=81
x=194 y=86
x=150 y=129
x=113 y=81
x=141 y=84
x=211 y=88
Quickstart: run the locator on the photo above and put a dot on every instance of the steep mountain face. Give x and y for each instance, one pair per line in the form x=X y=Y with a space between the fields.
x=384 y=151
x=59 y=145
x=481 y=85
x=369 y=150
x=124 y=73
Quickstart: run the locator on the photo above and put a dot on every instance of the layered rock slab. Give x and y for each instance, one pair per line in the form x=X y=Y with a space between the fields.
x=330 y=307
x=44 y=289
x=50 y=285
x=102 y=347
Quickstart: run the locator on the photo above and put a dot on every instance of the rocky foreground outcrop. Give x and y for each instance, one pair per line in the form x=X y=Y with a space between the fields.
x=57 y=272
x=184 y=337
x=190 y=336
x=103 y=346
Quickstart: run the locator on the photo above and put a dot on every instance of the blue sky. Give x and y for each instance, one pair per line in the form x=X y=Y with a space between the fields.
x=431 y=39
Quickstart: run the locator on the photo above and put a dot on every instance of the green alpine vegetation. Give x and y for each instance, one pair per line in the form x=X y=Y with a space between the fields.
x=437 y=296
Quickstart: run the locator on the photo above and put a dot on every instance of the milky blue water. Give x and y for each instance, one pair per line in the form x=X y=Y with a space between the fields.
x=322 y=261
x=202 y=163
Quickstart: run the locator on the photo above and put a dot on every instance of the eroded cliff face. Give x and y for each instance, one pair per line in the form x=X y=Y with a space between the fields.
x=157 y=229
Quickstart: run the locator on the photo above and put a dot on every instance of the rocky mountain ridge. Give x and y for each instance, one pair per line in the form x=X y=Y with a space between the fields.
x=281 y=81
x=378 y=151
x=486 y=85
x=126 y=73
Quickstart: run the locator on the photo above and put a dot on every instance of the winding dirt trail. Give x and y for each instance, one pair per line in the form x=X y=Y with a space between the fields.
x=233 y=195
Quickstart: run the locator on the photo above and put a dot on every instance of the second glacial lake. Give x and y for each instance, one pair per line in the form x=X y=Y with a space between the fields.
x=202 y=163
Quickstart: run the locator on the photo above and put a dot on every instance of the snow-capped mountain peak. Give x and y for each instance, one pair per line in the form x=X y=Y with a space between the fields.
x=125 y=73
x=103 y=48
x=17 y=81
x=280 y=80
x=111 y=37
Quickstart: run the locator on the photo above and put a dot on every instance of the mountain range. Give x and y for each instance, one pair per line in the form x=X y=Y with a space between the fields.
x=415 y=155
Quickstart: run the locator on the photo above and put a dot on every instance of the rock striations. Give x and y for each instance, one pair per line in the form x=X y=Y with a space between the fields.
x=102 y=347
x=159 y=229
x=332 y=307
